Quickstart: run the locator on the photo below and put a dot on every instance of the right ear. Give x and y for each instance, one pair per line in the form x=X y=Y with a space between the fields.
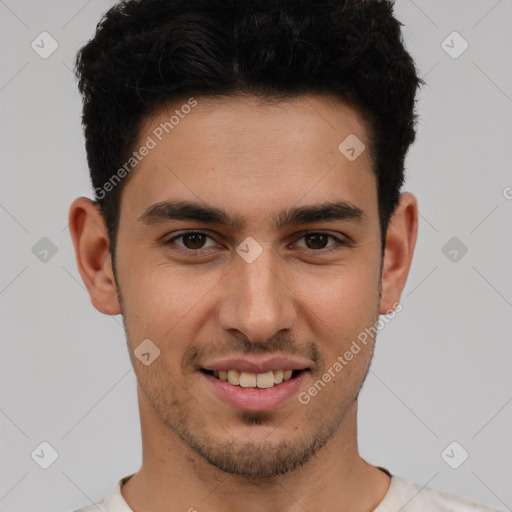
x=91 y=242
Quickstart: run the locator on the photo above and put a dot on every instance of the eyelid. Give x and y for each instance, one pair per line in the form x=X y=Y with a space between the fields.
x=187 y=232
x=340 y=239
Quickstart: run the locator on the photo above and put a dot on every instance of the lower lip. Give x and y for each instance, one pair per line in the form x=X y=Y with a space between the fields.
x=254 y=399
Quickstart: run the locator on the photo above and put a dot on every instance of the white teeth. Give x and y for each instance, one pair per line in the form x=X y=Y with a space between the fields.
x=247 y=380
x=253 y=380
x=233 y=377
x=265 y=380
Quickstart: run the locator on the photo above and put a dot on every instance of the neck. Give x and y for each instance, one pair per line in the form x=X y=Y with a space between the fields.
x=175 y=478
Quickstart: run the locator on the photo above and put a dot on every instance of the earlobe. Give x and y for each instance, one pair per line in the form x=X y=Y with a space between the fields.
x=91 y=243
x=400 y=242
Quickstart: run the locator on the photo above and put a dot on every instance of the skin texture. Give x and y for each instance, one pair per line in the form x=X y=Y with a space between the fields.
x=296 y=299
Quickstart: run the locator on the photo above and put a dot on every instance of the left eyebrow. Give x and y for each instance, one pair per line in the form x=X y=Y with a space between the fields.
x=208 y=214
x=324 y=212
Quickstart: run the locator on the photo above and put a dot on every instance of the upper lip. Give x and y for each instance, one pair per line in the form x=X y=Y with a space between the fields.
x=257 y=365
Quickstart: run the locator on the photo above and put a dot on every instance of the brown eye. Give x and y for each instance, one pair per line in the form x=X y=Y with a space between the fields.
x=194 y=240
x=316 y=240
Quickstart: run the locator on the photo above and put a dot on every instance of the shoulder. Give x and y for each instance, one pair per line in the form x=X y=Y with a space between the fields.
x=114 y=502
x=408 y=496
x=91 y=508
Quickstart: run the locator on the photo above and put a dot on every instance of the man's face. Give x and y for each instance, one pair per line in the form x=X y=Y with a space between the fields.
x=256 y=296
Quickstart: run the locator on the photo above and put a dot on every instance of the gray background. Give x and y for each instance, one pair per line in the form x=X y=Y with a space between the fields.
x=442 y=369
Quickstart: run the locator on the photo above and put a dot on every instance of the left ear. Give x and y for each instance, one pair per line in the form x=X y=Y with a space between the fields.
x=400 y=242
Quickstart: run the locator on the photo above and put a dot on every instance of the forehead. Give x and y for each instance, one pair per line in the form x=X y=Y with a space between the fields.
x=252 y=156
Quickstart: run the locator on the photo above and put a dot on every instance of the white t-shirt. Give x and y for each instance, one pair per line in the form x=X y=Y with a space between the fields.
x=402 y=496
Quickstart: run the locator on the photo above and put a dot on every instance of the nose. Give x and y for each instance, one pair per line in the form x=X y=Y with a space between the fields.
x=258 y=299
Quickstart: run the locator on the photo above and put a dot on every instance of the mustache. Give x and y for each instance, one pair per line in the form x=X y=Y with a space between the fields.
x=282 y=344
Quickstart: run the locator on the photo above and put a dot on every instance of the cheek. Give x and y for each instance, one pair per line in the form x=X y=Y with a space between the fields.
x=167 y=306
x=344 y=299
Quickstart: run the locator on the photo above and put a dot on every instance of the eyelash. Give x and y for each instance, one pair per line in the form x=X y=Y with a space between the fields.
x=336 y=246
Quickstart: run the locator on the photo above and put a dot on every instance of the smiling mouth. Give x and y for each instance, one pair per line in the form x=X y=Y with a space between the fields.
x=265 y=380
